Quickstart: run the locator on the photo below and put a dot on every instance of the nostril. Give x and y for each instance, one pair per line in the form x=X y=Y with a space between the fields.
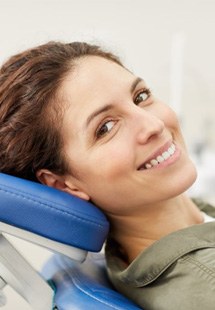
x=152 y=137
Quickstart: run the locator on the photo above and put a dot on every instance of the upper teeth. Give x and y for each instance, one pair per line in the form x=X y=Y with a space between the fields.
x=160 y=158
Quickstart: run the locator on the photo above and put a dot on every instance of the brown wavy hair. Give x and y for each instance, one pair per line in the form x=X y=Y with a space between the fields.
x=31 y=110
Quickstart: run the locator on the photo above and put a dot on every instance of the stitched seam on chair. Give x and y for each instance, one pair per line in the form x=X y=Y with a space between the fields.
x=93 y=297
x=32 y=196
x=52 y=208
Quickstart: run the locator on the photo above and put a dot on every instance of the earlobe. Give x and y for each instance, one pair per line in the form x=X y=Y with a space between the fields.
x=51 y=179
x=76 y=192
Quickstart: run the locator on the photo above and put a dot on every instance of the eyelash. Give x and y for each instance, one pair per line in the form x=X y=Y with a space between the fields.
x=146 y=91
x=98 y=131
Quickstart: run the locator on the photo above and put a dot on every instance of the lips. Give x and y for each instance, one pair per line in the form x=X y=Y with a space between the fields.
x=159 y=156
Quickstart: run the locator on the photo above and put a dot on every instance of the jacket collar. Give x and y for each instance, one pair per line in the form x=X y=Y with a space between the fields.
x=153 y=261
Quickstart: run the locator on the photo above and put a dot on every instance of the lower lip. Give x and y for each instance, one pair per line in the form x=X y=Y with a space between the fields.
x=168 y=162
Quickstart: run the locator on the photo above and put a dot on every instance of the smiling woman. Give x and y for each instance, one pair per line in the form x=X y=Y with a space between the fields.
x=120 y=126
x=74 y=118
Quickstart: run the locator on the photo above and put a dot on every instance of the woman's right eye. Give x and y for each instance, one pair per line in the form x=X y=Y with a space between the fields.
x=105 y=128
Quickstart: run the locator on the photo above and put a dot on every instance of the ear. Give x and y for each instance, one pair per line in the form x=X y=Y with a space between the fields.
x=63 y=183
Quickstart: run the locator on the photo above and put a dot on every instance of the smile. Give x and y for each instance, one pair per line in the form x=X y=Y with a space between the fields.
x=161 y=158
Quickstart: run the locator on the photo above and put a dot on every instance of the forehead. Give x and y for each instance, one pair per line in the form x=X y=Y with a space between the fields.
x=92 y=80
x=90 y=68
x=91 y=73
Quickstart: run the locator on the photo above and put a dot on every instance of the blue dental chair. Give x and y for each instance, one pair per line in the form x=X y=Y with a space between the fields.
x=68 y=226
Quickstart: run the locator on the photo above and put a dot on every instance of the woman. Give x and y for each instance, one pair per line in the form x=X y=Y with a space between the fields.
x=74 y=118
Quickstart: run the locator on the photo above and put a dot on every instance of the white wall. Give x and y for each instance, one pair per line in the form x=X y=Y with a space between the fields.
x=143 y=32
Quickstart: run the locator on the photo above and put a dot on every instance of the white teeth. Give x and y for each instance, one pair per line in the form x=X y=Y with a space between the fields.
x=154 y=162
x=171 y=150
x=148 y=166
x=161 y=158
x=166 y=155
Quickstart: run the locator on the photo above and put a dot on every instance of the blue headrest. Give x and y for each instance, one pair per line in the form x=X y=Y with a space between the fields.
x=51 y=213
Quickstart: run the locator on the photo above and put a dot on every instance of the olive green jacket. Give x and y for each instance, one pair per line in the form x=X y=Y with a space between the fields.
x=176 y=272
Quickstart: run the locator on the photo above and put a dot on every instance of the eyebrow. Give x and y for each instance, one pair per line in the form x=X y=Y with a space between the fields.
x=108 y=107
x=101 y=110
x=135 y=83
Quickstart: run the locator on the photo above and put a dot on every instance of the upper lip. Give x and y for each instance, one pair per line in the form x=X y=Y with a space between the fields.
x=156 y=153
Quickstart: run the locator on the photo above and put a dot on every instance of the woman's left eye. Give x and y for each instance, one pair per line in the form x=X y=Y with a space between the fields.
x=143 y=95
x=105 y=128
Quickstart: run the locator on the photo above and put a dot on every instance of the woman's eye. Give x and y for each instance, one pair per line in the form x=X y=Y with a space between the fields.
x=142 y=96
x=105 y=128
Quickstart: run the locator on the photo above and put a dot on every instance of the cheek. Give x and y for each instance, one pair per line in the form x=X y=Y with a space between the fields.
x=113 y=160
x=168 y=116
x=171 y=118
x=106 y=174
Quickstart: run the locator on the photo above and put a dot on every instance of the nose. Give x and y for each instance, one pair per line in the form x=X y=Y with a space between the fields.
x=148 y=126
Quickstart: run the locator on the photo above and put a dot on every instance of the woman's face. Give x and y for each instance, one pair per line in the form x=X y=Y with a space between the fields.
x=125 y=144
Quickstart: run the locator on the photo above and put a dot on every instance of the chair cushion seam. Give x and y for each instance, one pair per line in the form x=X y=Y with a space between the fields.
x=51 y=207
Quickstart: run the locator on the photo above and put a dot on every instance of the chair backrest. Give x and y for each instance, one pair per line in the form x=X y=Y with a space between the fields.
x=51 y=214
x=49 y=218
x=60 y=222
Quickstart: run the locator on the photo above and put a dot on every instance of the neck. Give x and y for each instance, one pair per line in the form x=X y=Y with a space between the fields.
x=136 y=232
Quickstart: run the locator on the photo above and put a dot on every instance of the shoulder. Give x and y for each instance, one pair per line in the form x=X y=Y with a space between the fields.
x=172 y=271
x=204 y=206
